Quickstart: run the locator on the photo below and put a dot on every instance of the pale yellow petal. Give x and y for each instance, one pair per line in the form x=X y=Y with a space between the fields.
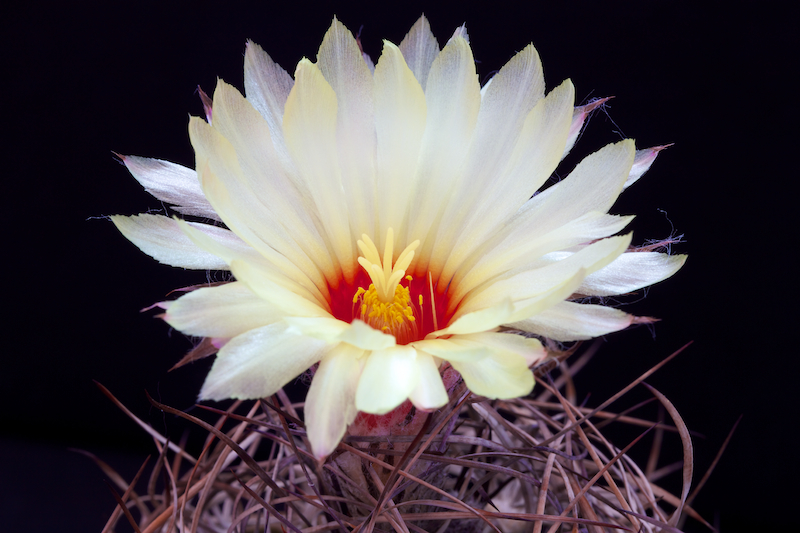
x=543 y=276
x=501 y=374
x=388 y=378
x=224 y=311
x=429 y=393
x=225 y=187
x=400 y=116
x=284 y=215
x=330 y=404
x=310 y=129
x=522 y=244
x=334 y=331
x=449 y=351
x=534 y=158
x=453 y=97
x=271 y=286
x=342 y=64
x=485 y=319
x=504 y=107
x=529 y=349
x=259 y=362
x=593 y=185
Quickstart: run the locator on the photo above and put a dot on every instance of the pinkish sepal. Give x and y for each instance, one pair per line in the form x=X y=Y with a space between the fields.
x=579 y=116
x=207 y=103
x=642 y=162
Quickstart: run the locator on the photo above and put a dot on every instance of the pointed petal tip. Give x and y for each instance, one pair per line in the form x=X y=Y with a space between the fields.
x=594 y=104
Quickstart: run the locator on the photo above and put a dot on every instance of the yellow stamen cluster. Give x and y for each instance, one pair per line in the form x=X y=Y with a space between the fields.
x=386 y=305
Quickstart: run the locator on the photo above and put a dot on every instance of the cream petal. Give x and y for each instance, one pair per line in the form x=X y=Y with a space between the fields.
x=429 y=393
x=333 y=330
x=267 y=86
x=310 y=129
x=170 y=183
x=534 y=159
x=504 y=107
x=225 y=187
x=533 y=306
x=388 y=378
x=225 y=311
x=502 y=374
x=161 y=238
x=531 y=350
x=542 y=277
x=330 y=404
x=283 y=211
x=453 y=99
x=272 y=286
x=449 y=351
x=260 y=273
x=521 y=244
x=593 y=185
x=420 y=48
x=630 y=272
x=342 y=64
x=400 y=115
x=480 y=320
x=259 y=362
x=570 y=321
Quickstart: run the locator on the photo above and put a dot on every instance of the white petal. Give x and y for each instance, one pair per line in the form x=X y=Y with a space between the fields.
x=522 y=244
x=224 y=311
x=446 y=349
x=484 y=319
x=273 y=288
x=533 y=282
x=284 y=222
x=226 y=188
x=630 y=272
x=400 y=115
x=504 y=107
x=389 y=376
x=161 y=238
x=330 y=404
x=267 y=86
x=430 y=392
x=502 y=374
x=593 y=185
x=258 y=363
x=420 y=48
x=309 y=126
x=569 y=321
x=261 y=276
x=171 y=183
x=332 y=330
x=343 y=66
x=534 y=159
x=453 y=99
x=529 y=349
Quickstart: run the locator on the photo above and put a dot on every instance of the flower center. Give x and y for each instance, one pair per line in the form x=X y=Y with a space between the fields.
x=387 y=305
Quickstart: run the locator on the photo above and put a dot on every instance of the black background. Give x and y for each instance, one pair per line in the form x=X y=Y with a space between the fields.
x=715 y=78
